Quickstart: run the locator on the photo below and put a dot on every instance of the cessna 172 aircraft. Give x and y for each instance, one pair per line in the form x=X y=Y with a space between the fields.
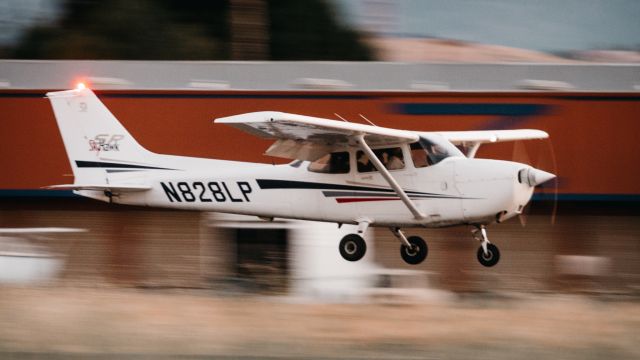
x=346 y=173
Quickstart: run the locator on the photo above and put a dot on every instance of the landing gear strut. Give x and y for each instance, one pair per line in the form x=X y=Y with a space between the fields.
x=413 y=249
x=488 y=254
x=110 y=195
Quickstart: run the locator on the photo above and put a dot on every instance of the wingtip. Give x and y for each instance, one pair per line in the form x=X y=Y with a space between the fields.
x=542 y=134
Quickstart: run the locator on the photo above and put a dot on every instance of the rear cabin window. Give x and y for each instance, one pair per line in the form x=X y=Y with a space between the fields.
x=333 y=163
x=391 y=158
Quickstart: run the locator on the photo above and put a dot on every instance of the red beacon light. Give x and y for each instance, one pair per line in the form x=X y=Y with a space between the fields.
x=80 y=86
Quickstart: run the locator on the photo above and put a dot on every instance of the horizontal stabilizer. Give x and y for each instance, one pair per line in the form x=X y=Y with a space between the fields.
x=101 y=187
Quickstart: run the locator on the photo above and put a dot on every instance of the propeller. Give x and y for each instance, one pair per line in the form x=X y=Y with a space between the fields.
x=545 y=160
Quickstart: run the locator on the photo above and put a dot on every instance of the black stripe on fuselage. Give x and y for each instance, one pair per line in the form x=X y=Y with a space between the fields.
x=289 y=184
x=368 y=194
x=109 y=165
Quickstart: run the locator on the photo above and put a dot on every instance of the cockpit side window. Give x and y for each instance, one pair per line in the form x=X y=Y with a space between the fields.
x=333 y=163
x=419 y=156
x=438 y=148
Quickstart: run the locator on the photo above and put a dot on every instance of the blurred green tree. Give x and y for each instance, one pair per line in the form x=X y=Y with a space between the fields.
x=309 y=30
x=193 y=30
x=125 y=29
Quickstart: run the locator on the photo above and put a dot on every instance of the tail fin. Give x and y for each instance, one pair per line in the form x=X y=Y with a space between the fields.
x=94 y=139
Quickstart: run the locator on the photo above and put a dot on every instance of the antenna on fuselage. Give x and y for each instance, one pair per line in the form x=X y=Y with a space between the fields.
x=340 y=117
x=367 y=120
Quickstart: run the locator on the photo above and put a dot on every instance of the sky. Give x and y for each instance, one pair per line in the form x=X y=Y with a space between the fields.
x=546 y=25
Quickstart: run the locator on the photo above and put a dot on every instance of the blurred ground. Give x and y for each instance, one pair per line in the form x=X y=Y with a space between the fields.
x=164 y=284
x=63 y=322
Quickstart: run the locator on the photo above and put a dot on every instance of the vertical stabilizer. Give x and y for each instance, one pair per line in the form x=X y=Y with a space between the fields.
x=93 y=138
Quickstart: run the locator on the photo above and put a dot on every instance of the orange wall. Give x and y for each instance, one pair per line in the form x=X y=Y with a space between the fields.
x=594 y=136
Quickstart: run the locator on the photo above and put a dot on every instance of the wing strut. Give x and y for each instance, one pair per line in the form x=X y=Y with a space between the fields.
x=473 y=149
x=387 y=176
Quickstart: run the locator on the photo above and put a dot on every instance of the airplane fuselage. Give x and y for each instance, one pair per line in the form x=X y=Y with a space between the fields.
x=452 y=192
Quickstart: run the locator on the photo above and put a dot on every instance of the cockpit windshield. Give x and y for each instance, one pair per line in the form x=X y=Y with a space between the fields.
x=438 y=148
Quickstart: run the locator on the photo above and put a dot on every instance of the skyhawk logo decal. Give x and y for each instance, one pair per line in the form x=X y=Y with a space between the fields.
x=105 y=142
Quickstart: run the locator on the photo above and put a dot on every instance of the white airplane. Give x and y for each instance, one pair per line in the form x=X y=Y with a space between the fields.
x=346 y=173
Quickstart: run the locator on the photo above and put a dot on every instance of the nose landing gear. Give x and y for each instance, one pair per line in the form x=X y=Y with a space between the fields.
x=488 y=254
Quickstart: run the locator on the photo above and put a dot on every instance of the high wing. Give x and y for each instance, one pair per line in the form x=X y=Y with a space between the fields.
x=309 y=138
x=491 y=136
x=115 y=188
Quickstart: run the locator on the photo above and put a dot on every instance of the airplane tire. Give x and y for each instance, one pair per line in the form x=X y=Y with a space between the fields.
x=416 y=254
x=491 y=258
x=352 y=247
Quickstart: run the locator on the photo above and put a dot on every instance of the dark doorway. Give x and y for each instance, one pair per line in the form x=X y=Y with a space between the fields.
x=262 y=259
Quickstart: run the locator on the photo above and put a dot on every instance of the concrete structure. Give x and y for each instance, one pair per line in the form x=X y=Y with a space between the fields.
x=289 y=75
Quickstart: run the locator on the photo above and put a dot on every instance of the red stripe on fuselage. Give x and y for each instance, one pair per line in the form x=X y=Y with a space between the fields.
x=350 y=200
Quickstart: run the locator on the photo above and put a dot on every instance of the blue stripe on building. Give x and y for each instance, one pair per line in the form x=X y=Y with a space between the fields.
x=507 y=110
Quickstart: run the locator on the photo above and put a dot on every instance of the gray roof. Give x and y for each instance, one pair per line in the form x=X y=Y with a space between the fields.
x=291 y=75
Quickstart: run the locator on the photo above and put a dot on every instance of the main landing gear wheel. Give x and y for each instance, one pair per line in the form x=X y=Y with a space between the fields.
x=415 y=254
x=352 y=247
x=491 y=257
